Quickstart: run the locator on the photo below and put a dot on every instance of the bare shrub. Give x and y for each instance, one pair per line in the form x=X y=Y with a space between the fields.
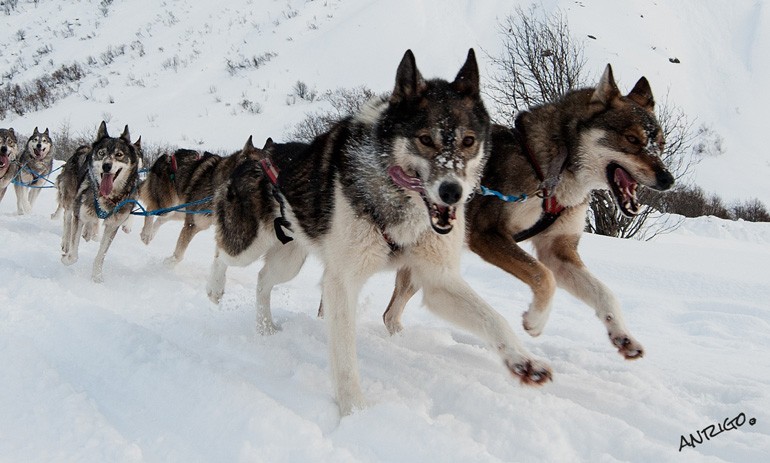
x=343 y=101
x=539 y=63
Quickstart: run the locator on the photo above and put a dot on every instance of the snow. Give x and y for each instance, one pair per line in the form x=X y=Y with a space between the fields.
x=144 y=368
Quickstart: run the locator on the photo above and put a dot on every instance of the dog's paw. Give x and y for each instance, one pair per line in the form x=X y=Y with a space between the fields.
x=215 y=295
x=530 y=372
x=146 y=237
x=394 y=326
x=126 y=229
x=69 y=259
x=171 y=262
x=97 y=278
x=627 y=346
x=266 y=327
x=351 y=404
x=534 y=321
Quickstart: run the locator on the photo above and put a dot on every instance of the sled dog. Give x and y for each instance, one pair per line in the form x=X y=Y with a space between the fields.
x=35 y=164
x=590 y=139
x=187 y=177
x=383 y=188
x=9 y=163
x=106 y=176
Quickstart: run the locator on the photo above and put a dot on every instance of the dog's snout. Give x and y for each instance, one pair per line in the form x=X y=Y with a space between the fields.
x=106 y=167
x=664 y=179
x=450 y=192
x=3 y=149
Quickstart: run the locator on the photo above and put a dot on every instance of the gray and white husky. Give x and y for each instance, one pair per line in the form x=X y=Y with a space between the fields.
x=382 y=189
x=106 y=175
x=36 y=163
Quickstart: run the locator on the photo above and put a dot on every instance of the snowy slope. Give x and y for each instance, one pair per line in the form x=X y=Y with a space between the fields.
x=162 y=67
x=144 y=368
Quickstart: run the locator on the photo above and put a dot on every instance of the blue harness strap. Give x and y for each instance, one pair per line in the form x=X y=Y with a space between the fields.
x=36 y=176
x=507 y=198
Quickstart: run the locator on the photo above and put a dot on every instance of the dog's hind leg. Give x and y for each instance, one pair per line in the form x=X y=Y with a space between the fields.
x=215 y=286
x=449 y=296
x=403 y=291
x=110 y=230
x=57 y=212
x=282 y=263
x=189 y=230
x=560 y=254
x=500 y=249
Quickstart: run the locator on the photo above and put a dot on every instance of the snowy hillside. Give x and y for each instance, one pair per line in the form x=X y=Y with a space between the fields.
x=144 y=368
x=200 y=76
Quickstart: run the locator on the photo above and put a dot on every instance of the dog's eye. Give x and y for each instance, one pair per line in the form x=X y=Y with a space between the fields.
x=633 y=140
x=468 y=141
x=426 y=140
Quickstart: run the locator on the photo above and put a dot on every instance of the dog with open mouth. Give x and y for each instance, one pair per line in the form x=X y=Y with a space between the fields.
x=107 y=178
x=36 y=163
x=537 y=185
x=383 y=188
x=9 y=163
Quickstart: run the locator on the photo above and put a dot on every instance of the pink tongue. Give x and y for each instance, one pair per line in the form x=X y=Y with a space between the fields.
x=624 y=181
x=403 y=180
x=105 y=187
x=3 y=161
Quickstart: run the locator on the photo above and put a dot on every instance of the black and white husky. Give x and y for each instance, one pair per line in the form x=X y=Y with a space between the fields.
x=383 y=188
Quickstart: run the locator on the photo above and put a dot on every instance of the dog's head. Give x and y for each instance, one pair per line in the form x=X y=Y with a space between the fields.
x=8 y=148
x=40 y=145
x=114 y=161
x=624 y=138
x=439 y=132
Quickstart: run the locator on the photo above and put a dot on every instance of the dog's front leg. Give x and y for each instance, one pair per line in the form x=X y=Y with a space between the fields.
x=561 y=256
x=73 y=240
x=282 y=263
x=449 y=296
x=340 y=295
x=110 y=230
x=22 y=200
x=148 y=229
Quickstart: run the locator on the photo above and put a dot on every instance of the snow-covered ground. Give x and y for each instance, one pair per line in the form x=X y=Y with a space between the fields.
x=144 y=368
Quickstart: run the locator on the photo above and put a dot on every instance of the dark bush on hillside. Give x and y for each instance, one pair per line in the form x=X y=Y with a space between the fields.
x=42 y=92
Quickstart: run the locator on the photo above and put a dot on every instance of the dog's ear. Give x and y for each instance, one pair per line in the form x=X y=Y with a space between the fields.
x=641 y=94
x=249 y=146
x=126 y=136
x=409 y=81
x=268 y=144
x=102 y=132
x=10 y=130
x=467 y=80
x=138 y=143
x=46 y=132
x=606 y=90
x=35 y=132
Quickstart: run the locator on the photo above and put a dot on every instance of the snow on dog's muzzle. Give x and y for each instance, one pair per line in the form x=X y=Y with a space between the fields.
x=442 y=216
